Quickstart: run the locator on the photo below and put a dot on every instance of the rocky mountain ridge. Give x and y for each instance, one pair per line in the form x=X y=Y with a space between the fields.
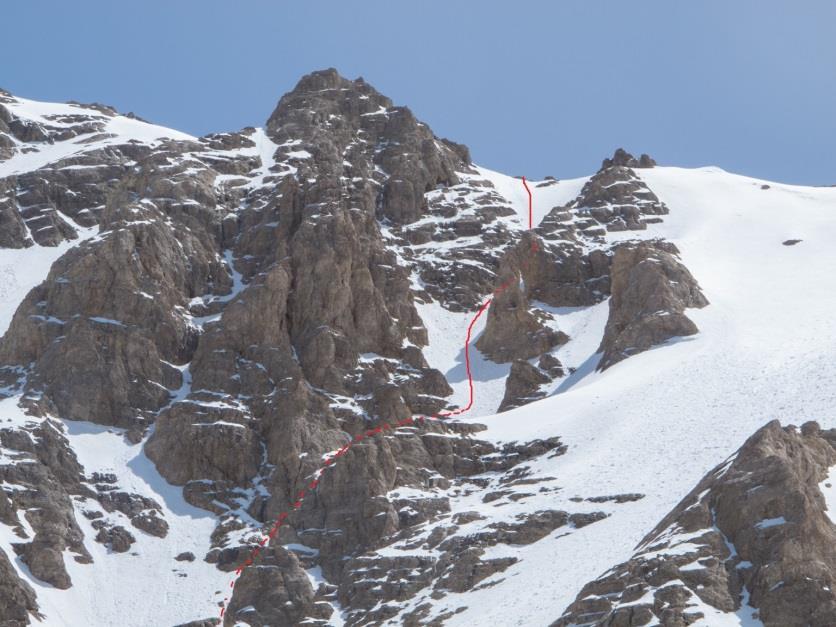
x=242 y=305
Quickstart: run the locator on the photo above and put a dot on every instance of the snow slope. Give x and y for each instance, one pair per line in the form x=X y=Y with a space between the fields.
x=545 y=194
x=145 y=583
x=119 y=129
x=658 y=421
x=23 y=269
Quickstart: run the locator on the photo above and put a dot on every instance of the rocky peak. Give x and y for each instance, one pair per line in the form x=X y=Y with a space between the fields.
x=353 y=132
x=624 y=159
x=325 y=93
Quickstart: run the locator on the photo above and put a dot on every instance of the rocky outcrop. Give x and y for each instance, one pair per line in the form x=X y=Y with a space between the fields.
x=623 y=158
x=614 y=199
x=513 y=330
x=566 y=261
x=18 y=604
x=49 y=204
x=755 y=538
x=651 y=289
x=116 y=537
x=326 y=112
x=13 y=232
x=276 y=593
x=46 y=474
x=99 y=334
x=524 y=382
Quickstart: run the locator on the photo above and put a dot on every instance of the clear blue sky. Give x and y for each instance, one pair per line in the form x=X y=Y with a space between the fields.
x=533 y=88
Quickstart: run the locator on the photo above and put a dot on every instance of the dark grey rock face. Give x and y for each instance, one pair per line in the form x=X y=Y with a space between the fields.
x=650 y=291
x=754 y=537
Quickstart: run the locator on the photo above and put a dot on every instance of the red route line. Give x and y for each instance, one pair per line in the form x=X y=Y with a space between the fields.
x=530 y=210
x=329 y=461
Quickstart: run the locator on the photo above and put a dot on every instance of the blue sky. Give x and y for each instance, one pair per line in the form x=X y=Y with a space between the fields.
x=533 y=88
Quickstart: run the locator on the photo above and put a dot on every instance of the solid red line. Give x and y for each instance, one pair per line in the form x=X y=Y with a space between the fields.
x=467 y=354
x=530 y=212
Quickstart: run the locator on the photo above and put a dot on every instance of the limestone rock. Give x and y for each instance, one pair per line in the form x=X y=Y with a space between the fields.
x=116 y=538
x=623 y=158
x=48 y=472
x=512 y=331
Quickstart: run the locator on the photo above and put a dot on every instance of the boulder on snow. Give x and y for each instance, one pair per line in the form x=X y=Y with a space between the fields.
x=523 y=385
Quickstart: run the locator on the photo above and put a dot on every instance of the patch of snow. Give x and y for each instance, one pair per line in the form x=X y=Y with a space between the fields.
x=766 y=523
x=828 y=490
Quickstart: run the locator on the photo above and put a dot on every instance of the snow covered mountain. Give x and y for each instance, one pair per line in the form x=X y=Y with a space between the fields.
x=238 y=387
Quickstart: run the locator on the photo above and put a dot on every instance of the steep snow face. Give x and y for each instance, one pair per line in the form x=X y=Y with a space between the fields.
x=657 y=422
x=545 y=194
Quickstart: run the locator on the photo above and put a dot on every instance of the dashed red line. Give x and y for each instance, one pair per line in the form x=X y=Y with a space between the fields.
x=330 y=460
